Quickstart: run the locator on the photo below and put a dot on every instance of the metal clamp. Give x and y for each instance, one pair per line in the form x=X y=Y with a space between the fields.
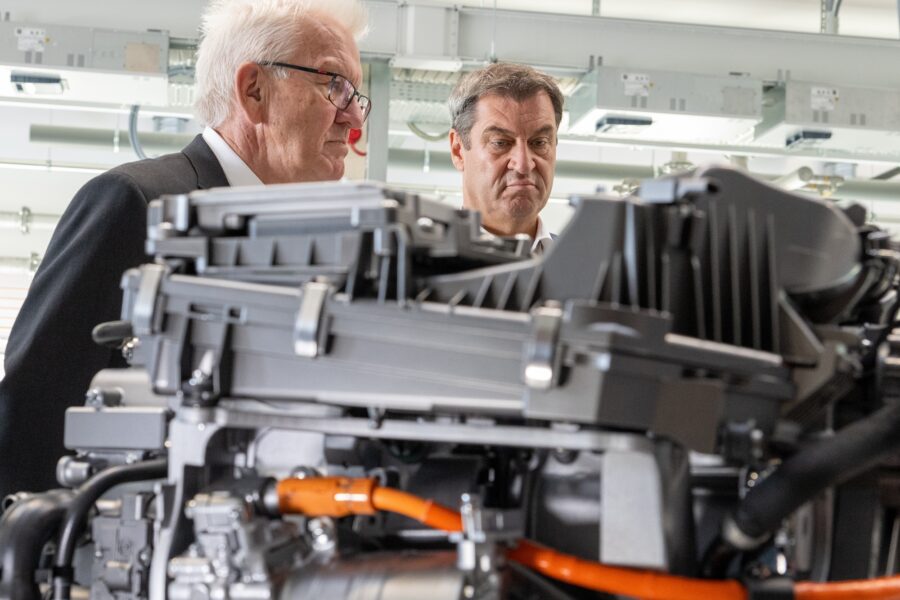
x=34 y=261
x=481 y=545
x=308 y=334
x=540 y=369
x=25 y=217
x=144 y=313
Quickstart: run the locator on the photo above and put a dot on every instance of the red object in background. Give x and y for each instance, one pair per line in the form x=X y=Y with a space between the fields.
x=355 y=135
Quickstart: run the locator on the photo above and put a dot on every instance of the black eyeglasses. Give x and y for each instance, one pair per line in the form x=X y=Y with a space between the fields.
x=340 y=91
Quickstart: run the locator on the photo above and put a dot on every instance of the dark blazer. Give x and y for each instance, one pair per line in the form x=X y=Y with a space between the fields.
x=50 y=356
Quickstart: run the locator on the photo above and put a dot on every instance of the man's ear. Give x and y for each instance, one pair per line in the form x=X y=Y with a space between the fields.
x=456 y=148
x=250 y=92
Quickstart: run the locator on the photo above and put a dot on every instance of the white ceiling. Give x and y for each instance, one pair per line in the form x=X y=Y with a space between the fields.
x=867 y=18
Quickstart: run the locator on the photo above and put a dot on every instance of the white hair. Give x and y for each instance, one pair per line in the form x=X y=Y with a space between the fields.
x=238 y=31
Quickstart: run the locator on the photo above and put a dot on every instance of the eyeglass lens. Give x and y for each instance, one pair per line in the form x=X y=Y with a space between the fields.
x=341 y=93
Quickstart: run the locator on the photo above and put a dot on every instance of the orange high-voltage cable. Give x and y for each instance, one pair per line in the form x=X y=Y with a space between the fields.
x=647 y=585
x=882 y=588
x=343 y=496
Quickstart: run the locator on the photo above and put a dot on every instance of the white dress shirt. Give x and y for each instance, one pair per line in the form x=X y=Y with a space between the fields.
x=542 y=238
x=236 y=170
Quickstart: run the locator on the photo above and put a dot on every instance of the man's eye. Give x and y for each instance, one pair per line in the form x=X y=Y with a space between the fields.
x=542 y=143
x=499 y=143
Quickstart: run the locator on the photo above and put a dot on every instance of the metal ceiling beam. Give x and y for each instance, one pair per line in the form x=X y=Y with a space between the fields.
x=377 y=135
x=566 y=42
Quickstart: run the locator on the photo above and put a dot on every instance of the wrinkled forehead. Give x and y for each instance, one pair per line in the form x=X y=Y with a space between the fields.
x=526 y=115
x=325 y=44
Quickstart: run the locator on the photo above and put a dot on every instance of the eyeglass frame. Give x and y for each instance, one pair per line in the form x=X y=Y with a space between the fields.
x=334 y=76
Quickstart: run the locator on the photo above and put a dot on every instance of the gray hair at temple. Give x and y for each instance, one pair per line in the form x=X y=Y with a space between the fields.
x=238 y=31
x=509 y=80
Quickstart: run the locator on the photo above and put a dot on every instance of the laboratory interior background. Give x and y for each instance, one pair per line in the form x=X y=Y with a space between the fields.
x=804 y=93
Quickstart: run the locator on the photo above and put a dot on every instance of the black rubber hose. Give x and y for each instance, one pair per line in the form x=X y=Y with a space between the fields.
x=853 y=450
x=77 y=513
x=27 y=525
x=112 y=334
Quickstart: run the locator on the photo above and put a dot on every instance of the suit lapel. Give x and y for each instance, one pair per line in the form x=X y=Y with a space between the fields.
x=206 y=165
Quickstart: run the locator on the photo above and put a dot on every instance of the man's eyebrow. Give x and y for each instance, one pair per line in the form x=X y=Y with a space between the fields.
x=497 y=129
x=546 y=129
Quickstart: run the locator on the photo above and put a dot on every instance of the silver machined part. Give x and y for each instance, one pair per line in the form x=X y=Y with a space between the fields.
x=270 y=499
x=25 y=218
x=72 y=471
x=237 y=552
x=323 y=533
x=307 y=326
x=540 y=369
x=304 y=472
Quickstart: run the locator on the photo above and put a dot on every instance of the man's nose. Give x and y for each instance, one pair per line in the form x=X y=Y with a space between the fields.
x=521 y=159
x=352 y=115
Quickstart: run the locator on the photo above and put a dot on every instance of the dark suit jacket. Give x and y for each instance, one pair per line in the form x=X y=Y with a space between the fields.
x=50 y=356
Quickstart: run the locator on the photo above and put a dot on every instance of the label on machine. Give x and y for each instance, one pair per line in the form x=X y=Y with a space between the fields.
x=636 y=84
x=30 y=39
x=823 y=98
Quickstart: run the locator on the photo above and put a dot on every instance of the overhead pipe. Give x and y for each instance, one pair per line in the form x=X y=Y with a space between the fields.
x=440 y=161
x=27 y=264
x=112 y=139
x=852 y=189
x=24 y=220
x=869 y=189
x=830 y=10
x=795 y=180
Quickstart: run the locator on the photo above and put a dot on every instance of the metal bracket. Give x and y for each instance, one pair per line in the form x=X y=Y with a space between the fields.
x=144 y=313
x=481 y=545
x=34 y=261
x=540 y=370
x=25 y=217
x=308 y=335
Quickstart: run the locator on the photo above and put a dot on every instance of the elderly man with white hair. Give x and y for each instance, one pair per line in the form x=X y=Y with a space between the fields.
x=278 y=89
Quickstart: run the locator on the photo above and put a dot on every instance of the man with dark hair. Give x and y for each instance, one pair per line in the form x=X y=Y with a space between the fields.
x=503 y=140
x=277 y=88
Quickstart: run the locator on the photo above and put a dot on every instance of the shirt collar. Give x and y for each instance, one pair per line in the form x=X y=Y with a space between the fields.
x=236 y=170
x=542 y=237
